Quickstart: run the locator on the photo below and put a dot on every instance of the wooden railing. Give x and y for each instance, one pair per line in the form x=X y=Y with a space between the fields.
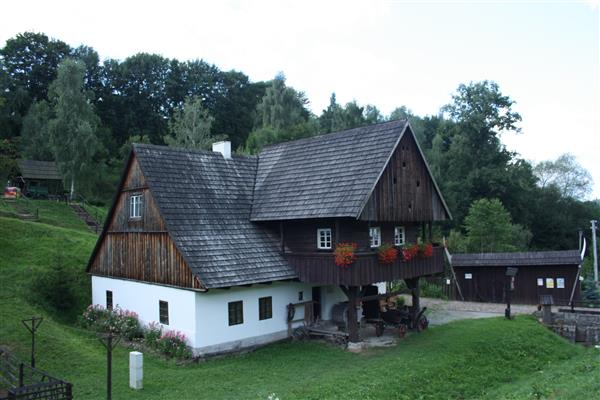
x=320 y=268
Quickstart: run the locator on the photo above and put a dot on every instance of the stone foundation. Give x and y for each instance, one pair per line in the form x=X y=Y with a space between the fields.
x=580 y=327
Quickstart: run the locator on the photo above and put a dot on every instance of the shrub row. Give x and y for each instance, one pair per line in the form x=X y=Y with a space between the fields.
x=127 y=325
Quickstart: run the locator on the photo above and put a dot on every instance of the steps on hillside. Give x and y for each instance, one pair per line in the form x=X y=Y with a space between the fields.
x=85 y=217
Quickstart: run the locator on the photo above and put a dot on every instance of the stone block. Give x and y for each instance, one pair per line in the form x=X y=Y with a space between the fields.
x=136 y=369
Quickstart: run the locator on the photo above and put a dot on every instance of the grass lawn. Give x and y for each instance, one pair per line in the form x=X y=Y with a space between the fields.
x=474 y=359
x=53 y=213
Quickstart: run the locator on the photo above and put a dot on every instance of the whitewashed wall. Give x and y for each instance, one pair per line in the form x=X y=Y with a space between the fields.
x=143 y=299
x=213 y=330
x=330 y=295
x=204 y=317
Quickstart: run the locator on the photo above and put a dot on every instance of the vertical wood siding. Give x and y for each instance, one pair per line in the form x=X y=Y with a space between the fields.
x=301 y=236
x=487 y=283
x=140 y=249
x=321 y=269
x=405 y=191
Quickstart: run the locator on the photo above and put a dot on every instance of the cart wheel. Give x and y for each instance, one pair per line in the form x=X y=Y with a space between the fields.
x=422 y=324
x=379 y=329
x=402 y=330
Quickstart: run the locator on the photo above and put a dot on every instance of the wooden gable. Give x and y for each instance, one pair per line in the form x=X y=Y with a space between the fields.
x=405 y=190
x=139 y=248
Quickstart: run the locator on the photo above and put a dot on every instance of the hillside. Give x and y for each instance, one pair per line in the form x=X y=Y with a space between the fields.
x=491 y=358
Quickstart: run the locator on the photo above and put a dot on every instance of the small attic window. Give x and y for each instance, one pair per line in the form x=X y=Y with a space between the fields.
x=403 y=164
x=135 y=206
x=418 y=183
x=395 y=180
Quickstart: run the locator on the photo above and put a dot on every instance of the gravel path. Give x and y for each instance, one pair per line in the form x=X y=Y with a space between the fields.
x=443 y=311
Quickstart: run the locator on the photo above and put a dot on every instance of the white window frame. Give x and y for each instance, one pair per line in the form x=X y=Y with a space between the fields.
x=324 y=238
x=375 y=236
x=135 y=206
x=397 y=237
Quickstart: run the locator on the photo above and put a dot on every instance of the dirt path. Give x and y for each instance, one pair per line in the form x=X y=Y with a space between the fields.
x=444 y=311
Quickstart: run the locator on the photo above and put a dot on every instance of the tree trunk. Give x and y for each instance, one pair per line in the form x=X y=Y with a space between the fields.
x=72 y=194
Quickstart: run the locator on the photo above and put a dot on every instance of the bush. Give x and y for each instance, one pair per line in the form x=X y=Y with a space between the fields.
x=432 y=290
x=590 y=293
x=59 y=287
x=152 y=334
x=92 y=314
x=121 y=322
x=400 y=301
x=173 y=344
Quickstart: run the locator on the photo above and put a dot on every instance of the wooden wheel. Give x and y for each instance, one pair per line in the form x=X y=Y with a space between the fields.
x=422 y=323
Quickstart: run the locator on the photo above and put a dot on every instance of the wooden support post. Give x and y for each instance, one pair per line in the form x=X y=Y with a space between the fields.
x=353 y=335
x=337 y=232
x=430 y=231
x=413 y=285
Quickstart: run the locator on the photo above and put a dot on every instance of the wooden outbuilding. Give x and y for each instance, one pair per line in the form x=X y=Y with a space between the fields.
x=482 y=276
x=40 y=178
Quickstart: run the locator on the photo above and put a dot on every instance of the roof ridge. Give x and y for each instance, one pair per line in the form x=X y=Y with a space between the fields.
x=189 y=151
x=372 y=127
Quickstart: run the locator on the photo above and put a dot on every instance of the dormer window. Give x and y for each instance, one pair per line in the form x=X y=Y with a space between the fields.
x=324 y=239
x=399 y=236
x=135 y=206
x=375 y=236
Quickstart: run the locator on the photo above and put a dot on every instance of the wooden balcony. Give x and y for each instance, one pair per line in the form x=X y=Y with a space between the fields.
x=320 y=268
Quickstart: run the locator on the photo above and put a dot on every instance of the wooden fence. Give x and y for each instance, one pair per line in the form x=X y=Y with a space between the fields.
x=20 y=381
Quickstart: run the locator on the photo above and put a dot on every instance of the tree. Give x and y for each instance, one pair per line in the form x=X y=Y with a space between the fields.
x=29 y=62
x=282 y=107
x=74 y=125
x=332 y=118
x=571 y=179
x=190 y=126
x=489 y=228
x=35 y=136
x=472 y=162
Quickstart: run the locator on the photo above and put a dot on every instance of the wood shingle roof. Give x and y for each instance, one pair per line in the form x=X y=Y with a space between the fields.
x=530 y=258
x=325 y=176
x=44 y=170
x=206 y=201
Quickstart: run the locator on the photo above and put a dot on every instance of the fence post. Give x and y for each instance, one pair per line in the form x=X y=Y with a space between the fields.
x=21 y=374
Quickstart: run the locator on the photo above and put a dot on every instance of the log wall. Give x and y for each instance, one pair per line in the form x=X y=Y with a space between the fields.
x=405 y=190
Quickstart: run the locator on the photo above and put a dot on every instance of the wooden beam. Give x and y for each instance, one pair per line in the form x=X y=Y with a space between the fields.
x=353 y=335
x=413 y=284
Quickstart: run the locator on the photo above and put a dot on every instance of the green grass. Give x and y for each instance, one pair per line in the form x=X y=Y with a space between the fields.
x=474 y=359
x=54 y=213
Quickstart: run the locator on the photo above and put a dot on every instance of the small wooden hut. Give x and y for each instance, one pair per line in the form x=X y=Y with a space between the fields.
x=40 y=179
x=482 y=276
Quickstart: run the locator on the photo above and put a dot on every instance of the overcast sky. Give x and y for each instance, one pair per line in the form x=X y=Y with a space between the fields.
x=543 y=54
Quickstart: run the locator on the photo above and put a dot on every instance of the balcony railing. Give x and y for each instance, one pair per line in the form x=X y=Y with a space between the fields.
x=320 y=268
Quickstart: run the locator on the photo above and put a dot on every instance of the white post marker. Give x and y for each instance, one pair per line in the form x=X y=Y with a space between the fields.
x=136 y=369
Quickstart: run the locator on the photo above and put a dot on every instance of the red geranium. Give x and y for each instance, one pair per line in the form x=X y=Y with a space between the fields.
x=387 y=254
x=409 y=251
x=426 y=250
x=345 y=254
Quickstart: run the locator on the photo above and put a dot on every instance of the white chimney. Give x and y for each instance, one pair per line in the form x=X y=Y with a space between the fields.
x=223 y=148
